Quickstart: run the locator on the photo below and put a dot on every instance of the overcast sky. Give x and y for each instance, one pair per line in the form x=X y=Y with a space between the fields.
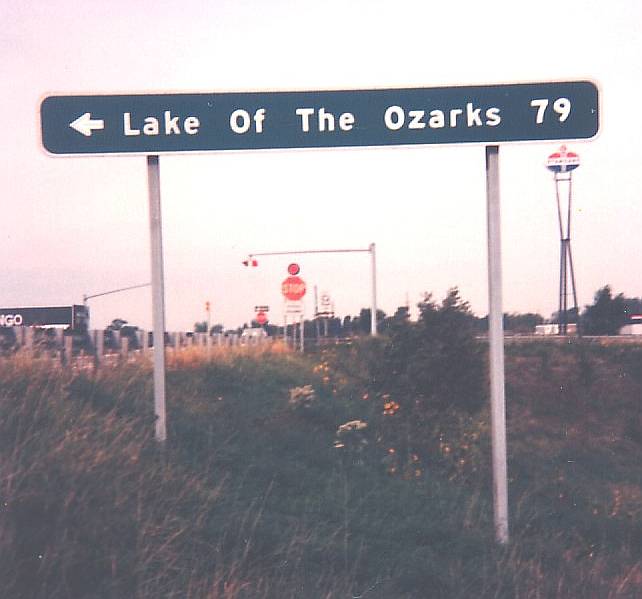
x=75 y=226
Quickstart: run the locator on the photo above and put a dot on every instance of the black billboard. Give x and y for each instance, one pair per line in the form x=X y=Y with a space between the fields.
x=76 y=316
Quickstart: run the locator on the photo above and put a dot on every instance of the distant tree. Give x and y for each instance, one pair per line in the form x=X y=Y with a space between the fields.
x=452 y=317
x=399 y=318
x=273 y=330
x=522 y=323
x=126 y=331
x=346 y=327
x=513 y=321
x=402 y=314
x=363 y=320
x=632 y=305
x=334 y=327
x=572 y=316
x=606 y=315
x=117 y=324
x=201 y=327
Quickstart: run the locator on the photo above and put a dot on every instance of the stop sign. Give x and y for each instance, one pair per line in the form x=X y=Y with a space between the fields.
x=293 y=288
x=261 y=317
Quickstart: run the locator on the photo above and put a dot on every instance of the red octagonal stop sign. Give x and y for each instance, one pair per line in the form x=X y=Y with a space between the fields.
x=261 y=317
x=293 y=288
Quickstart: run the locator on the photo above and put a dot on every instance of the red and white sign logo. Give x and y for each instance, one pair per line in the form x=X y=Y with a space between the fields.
x=294 y=269
x=293 y=288
x=261 y=318
x=562 y=161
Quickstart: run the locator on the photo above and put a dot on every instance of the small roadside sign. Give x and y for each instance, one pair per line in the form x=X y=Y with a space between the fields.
x=562 y=161
x=295 y=307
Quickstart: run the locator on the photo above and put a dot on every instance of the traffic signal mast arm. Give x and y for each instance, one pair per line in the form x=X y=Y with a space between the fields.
x=368 y=249
x=88 y=297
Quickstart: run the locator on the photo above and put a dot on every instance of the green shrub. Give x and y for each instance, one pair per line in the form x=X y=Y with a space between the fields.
x=437 y=360
x=257 y=494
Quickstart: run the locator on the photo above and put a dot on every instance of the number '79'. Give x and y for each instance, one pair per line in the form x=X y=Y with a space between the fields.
x=561 y=106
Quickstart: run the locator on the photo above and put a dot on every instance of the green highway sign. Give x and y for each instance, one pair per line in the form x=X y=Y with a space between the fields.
x=159 y=123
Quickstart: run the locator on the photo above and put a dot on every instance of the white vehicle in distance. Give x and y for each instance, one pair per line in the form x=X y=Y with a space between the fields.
x=253 y=333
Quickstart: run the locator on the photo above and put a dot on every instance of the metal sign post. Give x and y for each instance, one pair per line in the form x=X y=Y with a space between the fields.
x=158 y=294
x=295 y=308
x=496 y=347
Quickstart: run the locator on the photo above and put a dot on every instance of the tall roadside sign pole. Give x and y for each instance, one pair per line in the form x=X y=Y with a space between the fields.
x=562 y=163
x=158 y=294
x=170 y=123
x=496 y=347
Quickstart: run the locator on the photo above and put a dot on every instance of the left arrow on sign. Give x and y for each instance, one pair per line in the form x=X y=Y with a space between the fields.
x=85 y=124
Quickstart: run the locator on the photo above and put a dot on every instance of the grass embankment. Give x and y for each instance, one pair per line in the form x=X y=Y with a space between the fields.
x=257 y=494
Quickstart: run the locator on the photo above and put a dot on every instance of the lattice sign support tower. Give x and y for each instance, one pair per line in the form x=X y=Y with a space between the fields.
x=562 y=163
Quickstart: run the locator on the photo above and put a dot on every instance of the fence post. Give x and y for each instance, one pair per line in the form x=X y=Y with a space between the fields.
x=117 y=339
x=144 y=342
x=61 y=343
x=19 y=331
x=69 y=348
x=98 y=338
x=124 y=348
x=27 y=338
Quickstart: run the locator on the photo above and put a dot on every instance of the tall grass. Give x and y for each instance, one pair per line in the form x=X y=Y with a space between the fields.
x=257 y=495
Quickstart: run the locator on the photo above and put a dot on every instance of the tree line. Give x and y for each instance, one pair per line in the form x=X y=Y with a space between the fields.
x=605 y=316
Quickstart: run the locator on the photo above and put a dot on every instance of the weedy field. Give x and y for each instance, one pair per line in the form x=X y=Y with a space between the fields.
x=358 y=471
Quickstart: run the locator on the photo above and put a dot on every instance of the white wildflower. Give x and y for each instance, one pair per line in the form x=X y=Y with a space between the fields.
x=353 y=425
x=302 y=396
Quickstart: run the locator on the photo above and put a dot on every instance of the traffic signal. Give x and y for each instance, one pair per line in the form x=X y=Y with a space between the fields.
x=207 y=306
x=250 y=262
